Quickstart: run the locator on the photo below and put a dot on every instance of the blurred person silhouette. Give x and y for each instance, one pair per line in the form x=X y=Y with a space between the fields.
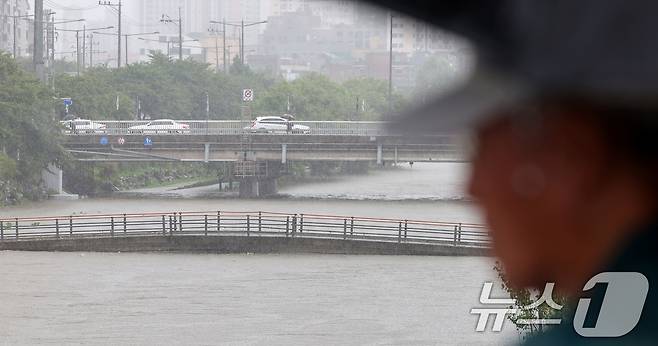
x=563 y=107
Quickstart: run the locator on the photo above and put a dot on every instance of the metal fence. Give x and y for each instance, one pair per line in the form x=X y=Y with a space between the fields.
x=248 y=224
x=225 y=127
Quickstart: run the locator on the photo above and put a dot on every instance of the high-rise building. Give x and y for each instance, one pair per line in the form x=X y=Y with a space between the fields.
x=331 y=12
x=195 y=15
x=24 y=27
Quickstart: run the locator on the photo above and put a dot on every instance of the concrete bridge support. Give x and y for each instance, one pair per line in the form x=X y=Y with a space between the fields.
x=253 y=187
x=52 y=178
x=257 y=178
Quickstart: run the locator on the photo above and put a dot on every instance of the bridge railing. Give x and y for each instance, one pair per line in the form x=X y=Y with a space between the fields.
x=225 y=127
x=248 y=224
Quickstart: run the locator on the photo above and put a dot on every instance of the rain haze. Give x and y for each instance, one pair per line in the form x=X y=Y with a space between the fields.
x=226 y=172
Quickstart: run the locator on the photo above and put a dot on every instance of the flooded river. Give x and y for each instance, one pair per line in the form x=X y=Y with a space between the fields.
x=109 y=299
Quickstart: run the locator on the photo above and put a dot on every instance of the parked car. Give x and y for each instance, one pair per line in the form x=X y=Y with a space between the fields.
x=160 y=126
x=78 y=125
x=274 y=124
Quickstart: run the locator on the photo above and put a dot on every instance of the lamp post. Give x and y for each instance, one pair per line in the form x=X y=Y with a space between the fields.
x=116 y=6
x=390 y=67
x=77 y=42
x=125 y=37
x=242 y=25
x=179 y=21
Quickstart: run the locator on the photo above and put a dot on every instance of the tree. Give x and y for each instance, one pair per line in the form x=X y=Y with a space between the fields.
x=29 y=136
x=525 y=297
x=436 y=75
x=370 y=98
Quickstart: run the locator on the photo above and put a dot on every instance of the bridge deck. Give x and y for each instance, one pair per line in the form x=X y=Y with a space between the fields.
x=309 y=147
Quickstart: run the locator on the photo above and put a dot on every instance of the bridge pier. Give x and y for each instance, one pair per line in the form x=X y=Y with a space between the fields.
x=254 y=187
x=257 y=178
x=52 y=178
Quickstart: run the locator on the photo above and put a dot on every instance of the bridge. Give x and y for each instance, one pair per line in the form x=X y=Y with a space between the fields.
x=257 y=159
x=240 y=232
x=229 y=140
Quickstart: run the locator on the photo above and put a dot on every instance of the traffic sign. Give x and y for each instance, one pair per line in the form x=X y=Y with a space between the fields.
x=121 y=141
x=247 y=95
x=104 y=141
x=67 y=101
x=148 y=141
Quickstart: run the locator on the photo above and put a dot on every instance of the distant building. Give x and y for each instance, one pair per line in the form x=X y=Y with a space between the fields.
x=24 y=27
x=195 y=15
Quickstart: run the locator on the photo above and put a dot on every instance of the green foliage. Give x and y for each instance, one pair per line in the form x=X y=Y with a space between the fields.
x=169 y=88
x=315 y=97
x=436 y=75
x=29 y=136
x=525 y=297
x=165 y=88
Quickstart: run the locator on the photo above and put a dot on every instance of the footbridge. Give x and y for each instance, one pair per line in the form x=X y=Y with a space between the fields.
x=241 y=232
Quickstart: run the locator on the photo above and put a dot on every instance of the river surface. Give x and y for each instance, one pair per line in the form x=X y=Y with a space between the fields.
x=109 y=299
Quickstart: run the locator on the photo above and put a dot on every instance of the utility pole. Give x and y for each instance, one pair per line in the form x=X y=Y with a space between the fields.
x=77 y=42
x=242 y=25
x=37 y=56
x=77 y=51
x=84 y=46
x=116 y=6
x=15 y=19
x=216 y=54
x=91 y=50
x=390 y=67
x=242 y=43
x=224 y=46
x=51 y=42
x=51 y=39
x=165 y=19
x=180 y=36
x=215 y=33
x=125 y=36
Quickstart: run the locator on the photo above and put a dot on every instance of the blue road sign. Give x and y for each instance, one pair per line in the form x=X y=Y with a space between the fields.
x=104 y=141
x=148 y=141
x=68 y=102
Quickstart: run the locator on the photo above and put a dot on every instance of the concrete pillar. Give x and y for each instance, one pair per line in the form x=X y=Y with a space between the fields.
x=253 y=187
x=284 y=153
x=248 y=187
x=206 y=152
x=267 y=187
x=52 y=178
x=380 y=154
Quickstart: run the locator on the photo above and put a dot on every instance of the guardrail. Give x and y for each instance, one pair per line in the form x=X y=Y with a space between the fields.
x=248 y=224
x=227 y=127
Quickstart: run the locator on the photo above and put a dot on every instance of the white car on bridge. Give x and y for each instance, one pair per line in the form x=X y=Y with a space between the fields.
x=77 y=126
x=274 y=124
x=160 y=126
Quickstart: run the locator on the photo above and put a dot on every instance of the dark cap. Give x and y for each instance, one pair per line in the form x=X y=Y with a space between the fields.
x=605 y=51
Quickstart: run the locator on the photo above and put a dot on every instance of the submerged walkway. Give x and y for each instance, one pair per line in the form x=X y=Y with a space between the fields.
x=239 y=232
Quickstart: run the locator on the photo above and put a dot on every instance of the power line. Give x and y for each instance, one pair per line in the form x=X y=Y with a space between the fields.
x=117 y=7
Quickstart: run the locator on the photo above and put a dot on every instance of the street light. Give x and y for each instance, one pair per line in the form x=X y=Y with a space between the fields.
x=125 y=36
x=77 y=41
x=166 y=19
x=242 y=25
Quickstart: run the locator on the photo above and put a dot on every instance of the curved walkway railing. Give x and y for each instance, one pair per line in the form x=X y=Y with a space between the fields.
x=248 y=224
